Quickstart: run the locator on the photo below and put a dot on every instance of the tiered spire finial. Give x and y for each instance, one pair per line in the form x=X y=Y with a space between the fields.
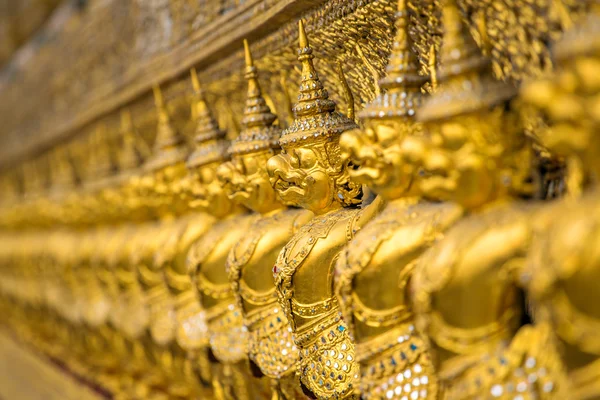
x=402 y=85
x=206 y=125
x=460 y=55
x=103 y=163
x=61 y=169
x=466 y=78
x=209 y=141
x=169 y=145
x=133 y=151
x=258 y=132
x=315 y=114
x=312 y=92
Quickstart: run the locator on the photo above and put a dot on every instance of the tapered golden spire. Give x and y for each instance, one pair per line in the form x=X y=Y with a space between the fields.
x=401 y=94
x=209 y=141
x=169 y=145
x=102 y=158
x=31 y=178
x=258 y=132
x=61 y=169
x=460 y=55
x=465 y=77
x=313 y=97
x=133 y=151
x=315 y=114
x=206 y=125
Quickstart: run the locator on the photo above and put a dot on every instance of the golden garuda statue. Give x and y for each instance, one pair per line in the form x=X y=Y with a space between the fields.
x=311 y=173
x=563 y=262
x=243 y=239
x=374 y=272
x=479 y=157
x=249 y=264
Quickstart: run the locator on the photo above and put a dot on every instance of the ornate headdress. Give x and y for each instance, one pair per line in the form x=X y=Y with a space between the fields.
x=169 y=145
x=466 y=80
x=102 y=161
x=258 y=132
x=62 y=169
x=314 y=115
x=209 y=142
x=133 y=152
x=402 y=85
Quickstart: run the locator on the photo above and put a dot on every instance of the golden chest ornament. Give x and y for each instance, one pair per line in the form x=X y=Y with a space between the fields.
x=192 y=330
x=564 y=252
x=162 y=314
x=70 y=293
x=528 y=368
x=499 y=359
x=327 y=365
x=136 y=316
x=395 y=363
x=97 y=305
x=271 y=343
x=108 y=286
x=159 y=302
x=228 y=337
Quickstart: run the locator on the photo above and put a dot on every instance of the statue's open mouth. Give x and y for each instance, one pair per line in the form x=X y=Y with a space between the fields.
x=437 y=182
x=199 y=202
x=366 y=174
x=287 y=188
x=434 y=170
x=240 y=194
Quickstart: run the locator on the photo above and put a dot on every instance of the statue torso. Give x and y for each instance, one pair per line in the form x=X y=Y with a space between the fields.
x=157 y=300
x=468 y=303
x=177 y=305
x=304 y=281
x=250 y=264
x=206 y=263
x=304 y=268
x=191 y=228
x=134 y=313
x=96 y=303
x=251 y=260
x=372 y=283
x=562 y=274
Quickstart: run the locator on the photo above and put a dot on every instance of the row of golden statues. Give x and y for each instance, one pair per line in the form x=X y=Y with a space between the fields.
x=408 y=258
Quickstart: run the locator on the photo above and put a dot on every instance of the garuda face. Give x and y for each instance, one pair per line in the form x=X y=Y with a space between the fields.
x=380 y=158
x=473 y=159
x=569 y=105
x=166 y=180
x=313 y=176
x=161 y=186
x=205 y=191
x=246 y=181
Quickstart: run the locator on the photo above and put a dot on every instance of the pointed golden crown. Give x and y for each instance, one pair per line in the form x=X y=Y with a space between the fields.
x=466 y=80
x=11 y=186
x=315 y=114
x=61 y=169
x=169 y=145
x=102 y=157
x=209 y=141
x=402 y=85
x=258 y=132
x=32 y=181
x=133 y=151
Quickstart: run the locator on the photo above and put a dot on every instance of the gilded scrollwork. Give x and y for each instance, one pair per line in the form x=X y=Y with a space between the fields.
x=418 y=220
